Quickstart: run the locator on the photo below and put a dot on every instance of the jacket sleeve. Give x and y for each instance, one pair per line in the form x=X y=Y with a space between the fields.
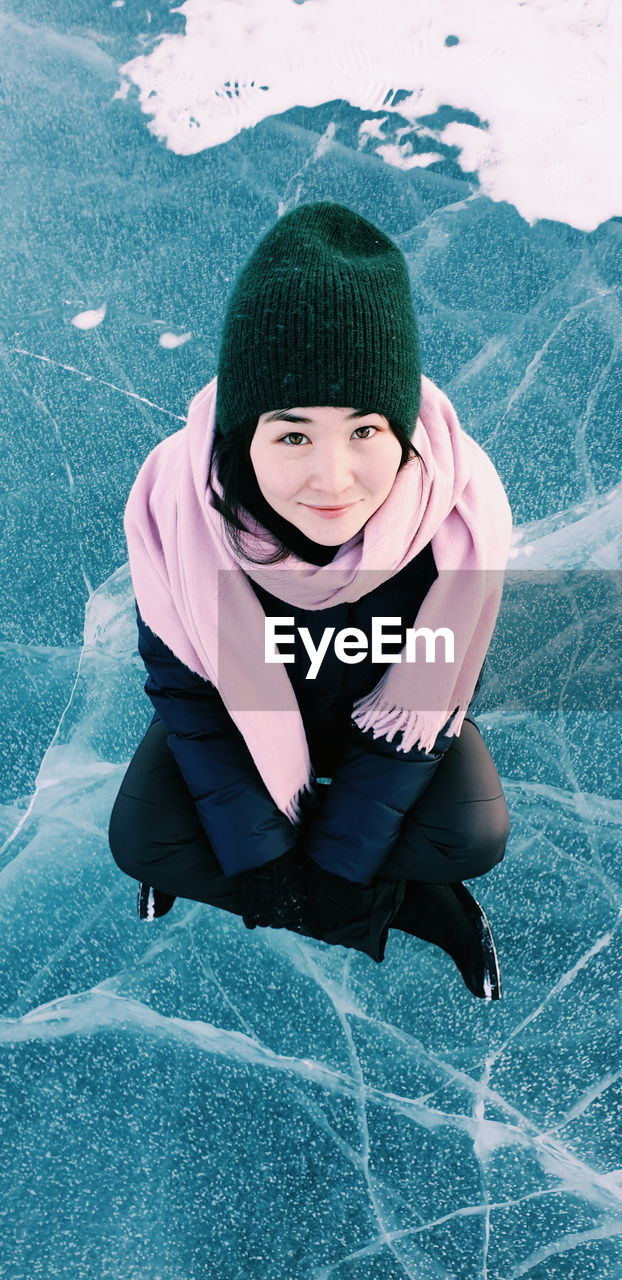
x=360 y=815
x=240 y=818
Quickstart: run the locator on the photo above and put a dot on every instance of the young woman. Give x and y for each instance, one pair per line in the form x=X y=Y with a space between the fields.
x=321 y=493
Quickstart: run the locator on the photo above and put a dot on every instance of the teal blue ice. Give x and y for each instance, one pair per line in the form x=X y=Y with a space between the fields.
x=187 y=1100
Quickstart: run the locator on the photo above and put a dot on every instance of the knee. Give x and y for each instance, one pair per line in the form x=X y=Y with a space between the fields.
x=122 y=841
x=486 y=834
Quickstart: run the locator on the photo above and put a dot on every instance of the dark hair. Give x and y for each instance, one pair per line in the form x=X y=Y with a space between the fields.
x=236 y=475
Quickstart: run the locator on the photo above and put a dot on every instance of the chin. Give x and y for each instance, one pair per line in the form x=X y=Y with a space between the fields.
x=325 y=532
x=327 y=540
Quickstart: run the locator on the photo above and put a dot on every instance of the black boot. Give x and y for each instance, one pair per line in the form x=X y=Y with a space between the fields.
x=152 y=903
x=449 y=916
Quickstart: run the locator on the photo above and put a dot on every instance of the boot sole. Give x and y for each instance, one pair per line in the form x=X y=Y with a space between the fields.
x=492 y=987
x=152 y=904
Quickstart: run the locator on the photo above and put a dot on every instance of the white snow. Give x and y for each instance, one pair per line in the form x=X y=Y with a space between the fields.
x=542 y=76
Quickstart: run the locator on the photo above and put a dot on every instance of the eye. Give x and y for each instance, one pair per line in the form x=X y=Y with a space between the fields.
x=289 y=435
x=301 y=435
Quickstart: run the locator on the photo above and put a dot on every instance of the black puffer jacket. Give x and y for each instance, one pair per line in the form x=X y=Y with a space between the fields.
x=354 y=822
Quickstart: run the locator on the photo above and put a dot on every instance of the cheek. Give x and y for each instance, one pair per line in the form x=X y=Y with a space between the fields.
x=279 y=481
x=265 y=472
x=386 y=470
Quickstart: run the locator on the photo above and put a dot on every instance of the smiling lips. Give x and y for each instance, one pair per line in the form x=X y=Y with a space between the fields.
x=329 y=512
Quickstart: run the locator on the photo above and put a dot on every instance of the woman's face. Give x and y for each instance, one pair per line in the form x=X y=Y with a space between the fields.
x=325 y=457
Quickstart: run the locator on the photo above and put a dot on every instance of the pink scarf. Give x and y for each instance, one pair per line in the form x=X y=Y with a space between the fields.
x=197 y=598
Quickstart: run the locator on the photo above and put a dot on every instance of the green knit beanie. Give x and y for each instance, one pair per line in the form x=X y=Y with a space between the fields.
x=320 y=314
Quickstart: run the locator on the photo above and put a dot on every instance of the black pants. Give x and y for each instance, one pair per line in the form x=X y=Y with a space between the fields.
x=457 y=830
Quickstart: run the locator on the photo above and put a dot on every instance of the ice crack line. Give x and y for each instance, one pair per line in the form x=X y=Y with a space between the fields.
x=599 y=945
x=357 y=1073
x=89 y=377
x=572 y=1241
x=469 y=1211
x=93 y=1011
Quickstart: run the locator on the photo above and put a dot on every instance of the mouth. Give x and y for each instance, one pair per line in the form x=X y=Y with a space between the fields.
x=347 y=507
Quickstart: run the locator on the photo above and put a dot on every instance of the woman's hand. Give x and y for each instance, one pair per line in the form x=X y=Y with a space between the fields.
x=333 y=901
x=347 y=913
x=273 y=895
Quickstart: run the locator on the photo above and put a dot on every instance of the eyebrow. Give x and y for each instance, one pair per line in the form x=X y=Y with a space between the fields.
x=282 y=415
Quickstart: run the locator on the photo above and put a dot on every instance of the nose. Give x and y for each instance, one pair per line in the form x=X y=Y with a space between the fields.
x=331 y=476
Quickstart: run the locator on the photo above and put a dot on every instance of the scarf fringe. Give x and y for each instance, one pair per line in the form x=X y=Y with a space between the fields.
x=297 y=808
x=418 y=728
